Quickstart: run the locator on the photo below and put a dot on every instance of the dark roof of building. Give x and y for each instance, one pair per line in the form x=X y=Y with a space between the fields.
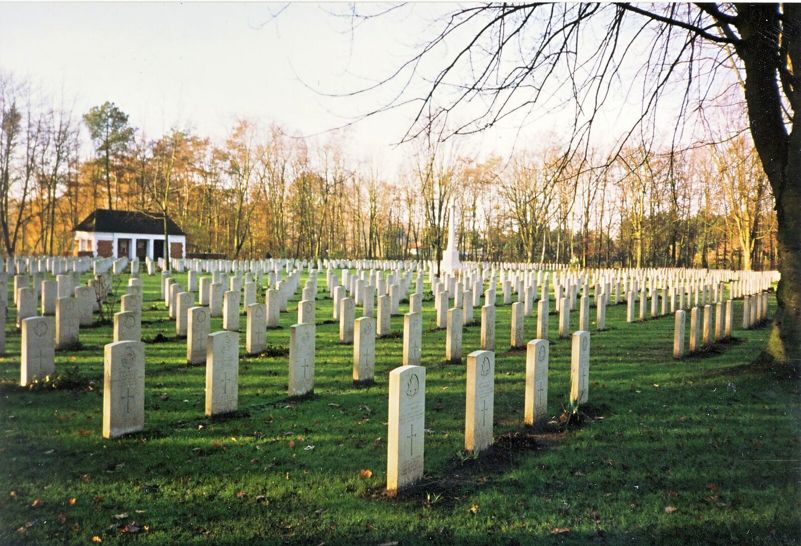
x=128 y=221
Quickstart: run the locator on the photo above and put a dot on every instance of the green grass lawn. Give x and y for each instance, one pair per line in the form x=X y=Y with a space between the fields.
x=706 y=450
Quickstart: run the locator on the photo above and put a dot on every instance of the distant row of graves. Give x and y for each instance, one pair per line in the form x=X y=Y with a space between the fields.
x=52 y=306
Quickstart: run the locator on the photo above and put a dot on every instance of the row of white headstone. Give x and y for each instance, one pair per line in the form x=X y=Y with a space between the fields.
x=705 y=328
x=407 y=398
x=124 y=391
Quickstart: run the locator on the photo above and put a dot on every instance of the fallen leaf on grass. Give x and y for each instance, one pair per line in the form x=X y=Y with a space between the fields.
x=366 y=473
x=474 y=509
x=670 y=509
x=122 y=515
x=96 y=539
x=131 y=529
x=240 y=494
x=36 y=503
x=71 y=501
x=560 y=530
x=291 y=444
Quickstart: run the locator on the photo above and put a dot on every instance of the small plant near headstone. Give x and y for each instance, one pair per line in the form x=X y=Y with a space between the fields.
x=106 y=305
x=272 y=351
x=158 y=338
x=432 y=499
x=571 y=415
x=70 y=379
x=466 y=456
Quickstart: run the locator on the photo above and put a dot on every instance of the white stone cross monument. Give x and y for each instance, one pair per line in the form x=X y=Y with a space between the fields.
x=450 y=259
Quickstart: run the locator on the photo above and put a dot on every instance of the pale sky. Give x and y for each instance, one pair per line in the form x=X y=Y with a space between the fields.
x=202 y=65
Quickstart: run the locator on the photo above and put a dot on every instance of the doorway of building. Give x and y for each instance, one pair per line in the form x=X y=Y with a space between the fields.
x=158 y=248
x=123 y=248
x=141 y=248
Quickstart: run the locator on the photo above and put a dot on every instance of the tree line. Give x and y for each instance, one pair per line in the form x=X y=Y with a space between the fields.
x=266 y=192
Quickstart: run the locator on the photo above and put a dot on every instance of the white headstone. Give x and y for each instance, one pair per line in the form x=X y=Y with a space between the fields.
x=131 y=303
x=580 y=368
x=222 y=373
x=542 y=319
x=301 y=359
x=384 y=326
x=695 y=324
x=488 y=327
x=123 y=388
x=584 y=313
x=271 y=300
x=38 y=352
x=231 y=310
x=255 y=341
x=306 y=312
x=183 y=301
x=127 y=327
x=346 y=316
x=67 y=326
x=678 y=334
x=708 y=332
x=249 y=294
x=197 y=333
x=26 y=304
x=364 y=351
x=517 y=325
x=453 y=336
x=536 y=397
x=405 y=426
x=412 y=339
x=441 y=300
x=49 y=294
x=216 y=299
x=564 y=319
x=729 y=318
x=205 y=290
x=480 y=401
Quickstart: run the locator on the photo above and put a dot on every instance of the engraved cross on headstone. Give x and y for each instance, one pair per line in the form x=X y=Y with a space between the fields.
x=226 y=380
x=411 y=438
x=127 y=397
x=484 y=413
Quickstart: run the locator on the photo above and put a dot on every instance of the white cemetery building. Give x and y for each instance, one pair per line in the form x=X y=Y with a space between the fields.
x=128 y=234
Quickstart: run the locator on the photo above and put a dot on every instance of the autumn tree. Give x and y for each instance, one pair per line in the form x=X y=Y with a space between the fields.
x=21 y=135
x=112 y=137
x=528 y=190
x=743 y=186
